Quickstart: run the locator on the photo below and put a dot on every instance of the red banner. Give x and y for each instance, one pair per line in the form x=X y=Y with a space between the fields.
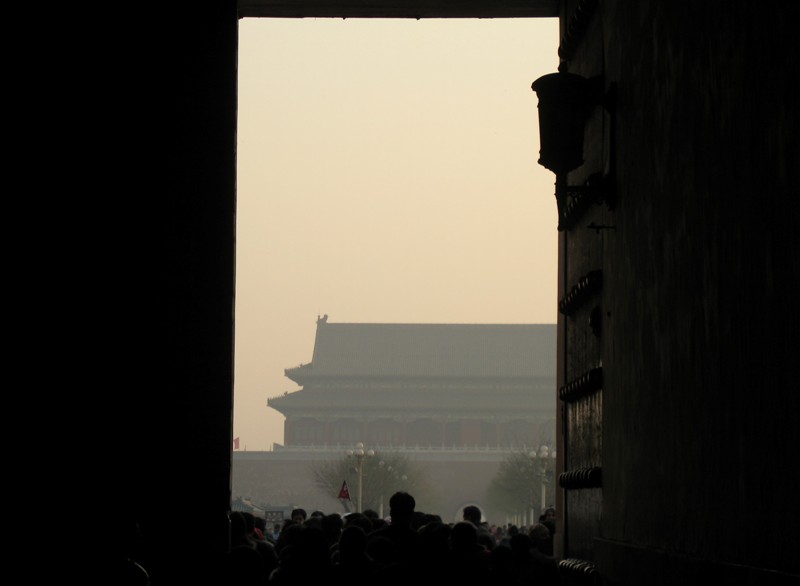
x=344 y=492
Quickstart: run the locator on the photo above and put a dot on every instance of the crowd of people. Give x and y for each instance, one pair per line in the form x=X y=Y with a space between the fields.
x=409 y=547
x=357 y=549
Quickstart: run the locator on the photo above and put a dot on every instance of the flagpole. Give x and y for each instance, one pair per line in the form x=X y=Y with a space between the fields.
x=359 y=508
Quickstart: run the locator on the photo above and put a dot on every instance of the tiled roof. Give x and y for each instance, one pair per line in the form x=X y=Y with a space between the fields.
x=452 y=350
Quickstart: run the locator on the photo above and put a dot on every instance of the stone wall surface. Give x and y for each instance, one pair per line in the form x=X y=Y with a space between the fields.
x=699 y=405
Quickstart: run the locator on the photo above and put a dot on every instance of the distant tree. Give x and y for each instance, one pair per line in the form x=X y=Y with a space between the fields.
x=383 y=474
x=516 y=489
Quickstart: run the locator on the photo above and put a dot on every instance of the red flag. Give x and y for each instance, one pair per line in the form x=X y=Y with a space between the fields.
x=236 y=443
x=344 y=492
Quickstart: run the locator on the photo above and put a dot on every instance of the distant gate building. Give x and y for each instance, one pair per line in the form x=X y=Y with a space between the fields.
x=456 y=399
x=424 y=386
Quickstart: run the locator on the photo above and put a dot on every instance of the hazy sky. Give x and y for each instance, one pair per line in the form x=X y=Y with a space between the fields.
x=386 y=174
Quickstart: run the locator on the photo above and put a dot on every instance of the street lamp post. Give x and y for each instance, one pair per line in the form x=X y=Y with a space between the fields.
x=359 y=453
x=543 y=456
x=533 y=455
x=543 y=452
x=382 y=464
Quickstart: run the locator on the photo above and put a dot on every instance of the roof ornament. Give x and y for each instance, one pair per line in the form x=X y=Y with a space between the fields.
x=323 y=319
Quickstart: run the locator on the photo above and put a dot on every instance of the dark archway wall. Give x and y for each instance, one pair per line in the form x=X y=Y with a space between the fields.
x=174 y=344
x=696 y=431
x=698 y=438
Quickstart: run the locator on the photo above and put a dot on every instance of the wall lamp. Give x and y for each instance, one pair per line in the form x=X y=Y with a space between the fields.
x=564 y=105
x=565 y=101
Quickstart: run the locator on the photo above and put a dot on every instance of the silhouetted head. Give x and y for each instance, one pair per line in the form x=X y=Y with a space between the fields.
x=401 y=507
x=352 y=543
x=539 y=533
x=299 y=515
x=541 y=538
x=521 y=545
x=472 y=514
x=381 y=549
x=434 y=539
x=551 y=525
x=360 y=520
x=371 y=514
x=431 y=518
x=288 y=536
x=239 y=528
x=501 y=559
x=332 y=527
x=312 y=547
x=250 y=519
x=418 y=519
x=464 y=536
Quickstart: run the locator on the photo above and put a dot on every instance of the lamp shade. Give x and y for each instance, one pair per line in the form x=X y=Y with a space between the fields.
x=563 y=108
